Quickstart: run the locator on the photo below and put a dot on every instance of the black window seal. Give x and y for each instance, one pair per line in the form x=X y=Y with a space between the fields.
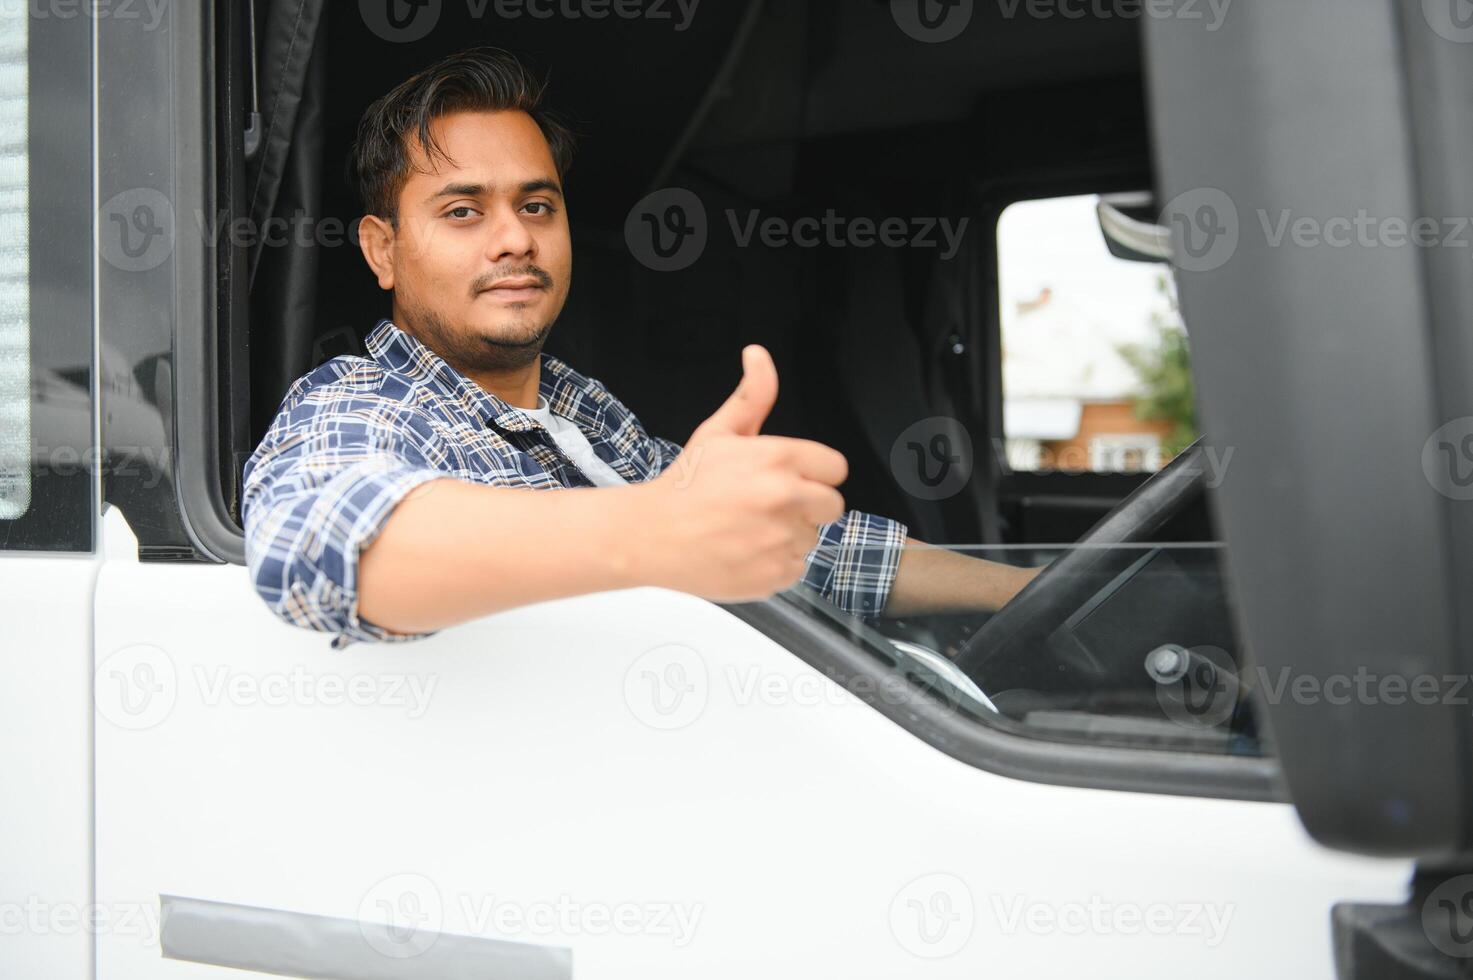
x=202 y=506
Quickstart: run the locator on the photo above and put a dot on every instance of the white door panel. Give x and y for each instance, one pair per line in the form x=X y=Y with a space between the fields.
x=46 y=759
x=647 y=780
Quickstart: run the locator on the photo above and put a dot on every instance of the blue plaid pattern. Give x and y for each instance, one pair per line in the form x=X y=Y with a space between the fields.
x=356 y=435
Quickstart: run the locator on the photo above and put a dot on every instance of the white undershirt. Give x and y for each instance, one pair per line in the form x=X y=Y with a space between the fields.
x=575 y=444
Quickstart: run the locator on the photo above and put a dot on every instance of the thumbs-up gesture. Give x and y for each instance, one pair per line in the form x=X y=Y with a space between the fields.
x=737 y=511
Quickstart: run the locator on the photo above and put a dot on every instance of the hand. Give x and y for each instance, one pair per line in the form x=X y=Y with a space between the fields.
x=732 y=518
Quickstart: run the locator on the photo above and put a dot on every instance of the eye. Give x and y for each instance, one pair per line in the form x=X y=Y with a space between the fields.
x=547 y=208
x=463 y=207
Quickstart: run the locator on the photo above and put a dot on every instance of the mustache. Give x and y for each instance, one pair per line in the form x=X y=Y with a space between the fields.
x=485 y=282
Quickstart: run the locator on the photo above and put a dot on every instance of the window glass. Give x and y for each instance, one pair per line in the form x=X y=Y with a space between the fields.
x=1096 y=373
x=47 y=468
x=15 y=318
x=1127 y=645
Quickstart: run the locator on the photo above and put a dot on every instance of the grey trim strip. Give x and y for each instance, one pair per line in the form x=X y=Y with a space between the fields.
x=294 y=944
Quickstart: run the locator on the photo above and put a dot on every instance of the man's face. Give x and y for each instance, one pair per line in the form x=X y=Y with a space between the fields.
x=482 y=258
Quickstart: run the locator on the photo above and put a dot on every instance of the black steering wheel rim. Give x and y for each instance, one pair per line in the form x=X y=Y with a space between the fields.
x=1016 y=634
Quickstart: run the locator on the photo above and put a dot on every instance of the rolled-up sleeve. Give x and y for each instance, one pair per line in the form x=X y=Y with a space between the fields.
x=318 y=490
x=853 y=565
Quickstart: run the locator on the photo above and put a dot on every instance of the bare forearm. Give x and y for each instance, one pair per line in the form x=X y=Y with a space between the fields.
x=453 y=550
x=937 y=580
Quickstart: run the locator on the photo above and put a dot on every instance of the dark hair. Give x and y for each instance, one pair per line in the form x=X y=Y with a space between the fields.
x=477 y=79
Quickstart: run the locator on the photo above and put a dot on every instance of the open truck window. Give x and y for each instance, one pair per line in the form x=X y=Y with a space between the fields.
x=1096 y=373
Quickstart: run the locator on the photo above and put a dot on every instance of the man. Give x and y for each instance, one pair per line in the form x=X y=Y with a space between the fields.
x=389 y=499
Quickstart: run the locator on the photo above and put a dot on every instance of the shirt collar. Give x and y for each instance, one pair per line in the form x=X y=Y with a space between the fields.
x=568 y=393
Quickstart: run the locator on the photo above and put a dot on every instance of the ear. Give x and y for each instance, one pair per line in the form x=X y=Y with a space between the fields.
x=376 y=240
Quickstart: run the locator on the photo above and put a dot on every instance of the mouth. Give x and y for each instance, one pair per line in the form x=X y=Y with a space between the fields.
x=523 y=290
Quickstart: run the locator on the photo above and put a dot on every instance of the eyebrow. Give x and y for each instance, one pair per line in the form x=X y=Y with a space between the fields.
x=483 y=190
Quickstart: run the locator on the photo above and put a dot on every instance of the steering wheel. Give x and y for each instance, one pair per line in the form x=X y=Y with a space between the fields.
x=1004 y=653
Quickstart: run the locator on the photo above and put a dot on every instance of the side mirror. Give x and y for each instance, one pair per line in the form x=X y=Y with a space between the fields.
x=1128 y=222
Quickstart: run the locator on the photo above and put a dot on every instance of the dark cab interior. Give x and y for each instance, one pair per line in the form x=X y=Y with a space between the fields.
x=772 y=109
x=793 y=110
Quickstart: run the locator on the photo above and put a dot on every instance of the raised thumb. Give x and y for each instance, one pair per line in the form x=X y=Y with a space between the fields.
x=748 y=407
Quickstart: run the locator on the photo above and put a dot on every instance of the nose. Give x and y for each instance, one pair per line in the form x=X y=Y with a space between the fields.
x=508 y=237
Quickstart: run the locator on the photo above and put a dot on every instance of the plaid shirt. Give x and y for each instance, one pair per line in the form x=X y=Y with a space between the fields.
x=355 y=435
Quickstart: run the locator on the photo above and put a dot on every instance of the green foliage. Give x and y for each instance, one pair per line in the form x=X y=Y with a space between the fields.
x=1165 y=371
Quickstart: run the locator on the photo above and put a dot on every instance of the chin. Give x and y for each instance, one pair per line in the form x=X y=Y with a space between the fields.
x=518 y=333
